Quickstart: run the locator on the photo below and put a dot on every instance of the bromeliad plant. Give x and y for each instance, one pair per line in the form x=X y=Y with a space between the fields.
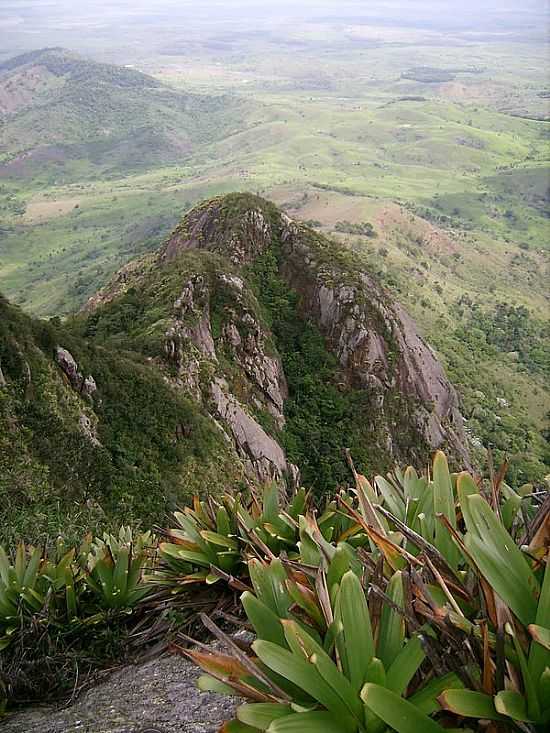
x=115 y=568
x=65 y=588
x=325 y=658
x=205 y=541
x=454 y=623
x=34 y=584
x=515 y=586
x=63 y=611
x=469 y=576
x=214 y=539
x=409 y=604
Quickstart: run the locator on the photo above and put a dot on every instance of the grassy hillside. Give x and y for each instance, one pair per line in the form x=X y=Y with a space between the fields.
x=53 y=477
x=437 y=139
x=70 y=118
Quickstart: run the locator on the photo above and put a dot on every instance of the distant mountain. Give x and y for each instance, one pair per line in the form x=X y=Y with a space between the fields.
x=58 y=107
x=249 y=348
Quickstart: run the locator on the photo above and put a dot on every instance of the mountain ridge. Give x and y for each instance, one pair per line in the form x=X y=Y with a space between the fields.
x=249 y=348
x=374 y=342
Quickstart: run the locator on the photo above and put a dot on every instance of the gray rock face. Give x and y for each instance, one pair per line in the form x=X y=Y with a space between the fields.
x=263 y=456
x=190 y=345
x=157 y=697
x=241 y=242
x=247 y=341
x=86 y=386
x=188 y=340
x=3 y=382
x=376 y=342
x=192 y=316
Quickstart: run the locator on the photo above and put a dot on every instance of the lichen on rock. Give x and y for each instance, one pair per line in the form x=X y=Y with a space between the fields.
x=159 y=696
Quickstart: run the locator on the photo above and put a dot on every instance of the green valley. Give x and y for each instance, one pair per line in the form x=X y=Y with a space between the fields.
x=433 y=133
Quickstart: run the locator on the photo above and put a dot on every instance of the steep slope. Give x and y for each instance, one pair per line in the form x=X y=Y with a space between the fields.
x=287 y=340
x=248 y=348
x=91 y=436
x=58 y=108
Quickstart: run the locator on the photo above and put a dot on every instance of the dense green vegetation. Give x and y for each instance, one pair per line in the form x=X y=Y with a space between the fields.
x=496 y=417
x=346 y=649
x=321 y=418
x=511 y=330
x=323 y=414
x=363 y=228
x=376 y=612
x=52 y=476
x=512 y=336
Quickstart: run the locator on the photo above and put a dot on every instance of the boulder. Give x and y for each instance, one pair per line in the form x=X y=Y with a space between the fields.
x=68 y=365
x=88 y=429
x=85 y=386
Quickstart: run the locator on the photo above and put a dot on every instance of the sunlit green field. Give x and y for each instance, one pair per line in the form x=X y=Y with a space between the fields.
x=475 y=167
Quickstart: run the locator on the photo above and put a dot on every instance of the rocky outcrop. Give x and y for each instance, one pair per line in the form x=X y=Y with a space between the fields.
x=68 y=364
x=188 y=339
x=222 y=225
x=262 y=455
x=85 y=386
x=376 y=342
x=3 y=382
x=374 y=338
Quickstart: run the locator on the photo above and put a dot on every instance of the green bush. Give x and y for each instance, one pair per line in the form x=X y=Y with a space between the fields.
x=410 y=603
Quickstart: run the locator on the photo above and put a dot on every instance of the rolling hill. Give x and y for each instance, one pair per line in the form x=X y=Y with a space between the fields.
x=60 y=110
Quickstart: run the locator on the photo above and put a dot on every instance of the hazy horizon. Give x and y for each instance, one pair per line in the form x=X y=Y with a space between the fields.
x=121 y=30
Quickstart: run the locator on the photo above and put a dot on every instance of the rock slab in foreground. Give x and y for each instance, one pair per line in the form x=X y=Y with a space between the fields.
x=157 y=697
